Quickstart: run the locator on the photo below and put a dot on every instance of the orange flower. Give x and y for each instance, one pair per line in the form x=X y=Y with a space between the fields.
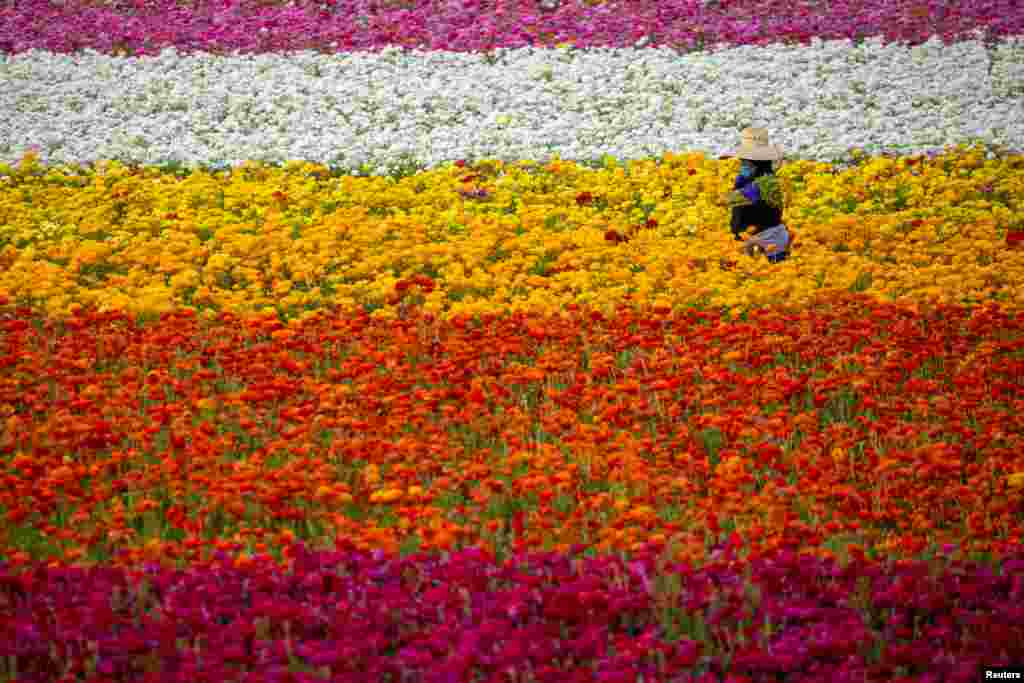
x=385 y=418
x=386 y=496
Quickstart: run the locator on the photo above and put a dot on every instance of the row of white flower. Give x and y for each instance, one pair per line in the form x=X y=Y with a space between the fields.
x=398 y=107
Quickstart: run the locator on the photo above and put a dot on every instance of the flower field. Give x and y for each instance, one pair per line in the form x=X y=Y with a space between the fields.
x=408 y=342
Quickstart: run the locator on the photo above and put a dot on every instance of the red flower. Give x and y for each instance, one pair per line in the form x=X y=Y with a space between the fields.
x=584 y=198
x=469 y=178
x=280 y=196
x=692 y=171
x=651 y=223
x=1014 y=238
x=461 y=163
x=518 y=524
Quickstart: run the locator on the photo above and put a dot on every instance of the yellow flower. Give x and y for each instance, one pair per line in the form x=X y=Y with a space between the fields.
x=345 y=241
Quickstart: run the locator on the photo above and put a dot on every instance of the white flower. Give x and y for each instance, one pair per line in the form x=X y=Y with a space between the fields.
x=817 y=101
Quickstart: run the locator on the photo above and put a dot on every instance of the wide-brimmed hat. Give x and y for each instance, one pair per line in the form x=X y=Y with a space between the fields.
x=754 y=145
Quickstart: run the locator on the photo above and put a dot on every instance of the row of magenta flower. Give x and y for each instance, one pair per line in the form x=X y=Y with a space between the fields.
x=345 y=615
x=148 y=27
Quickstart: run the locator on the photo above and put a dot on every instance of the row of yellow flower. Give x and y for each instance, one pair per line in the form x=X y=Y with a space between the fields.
x=498 y=236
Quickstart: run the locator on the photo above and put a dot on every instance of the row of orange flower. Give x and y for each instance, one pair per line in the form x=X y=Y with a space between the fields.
x=825 y=426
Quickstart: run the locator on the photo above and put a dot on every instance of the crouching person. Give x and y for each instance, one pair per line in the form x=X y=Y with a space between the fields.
x=757 y=199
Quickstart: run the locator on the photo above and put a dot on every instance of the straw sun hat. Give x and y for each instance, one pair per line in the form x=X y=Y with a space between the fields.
x=754 y=146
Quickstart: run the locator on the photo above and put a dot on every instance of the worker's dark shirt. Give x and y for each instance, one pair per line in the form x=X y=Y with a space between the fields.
x=759 y=213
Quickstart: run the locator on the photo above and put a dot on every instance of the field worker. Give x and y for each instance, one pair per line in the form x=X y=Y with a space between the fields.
x=756 y=198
